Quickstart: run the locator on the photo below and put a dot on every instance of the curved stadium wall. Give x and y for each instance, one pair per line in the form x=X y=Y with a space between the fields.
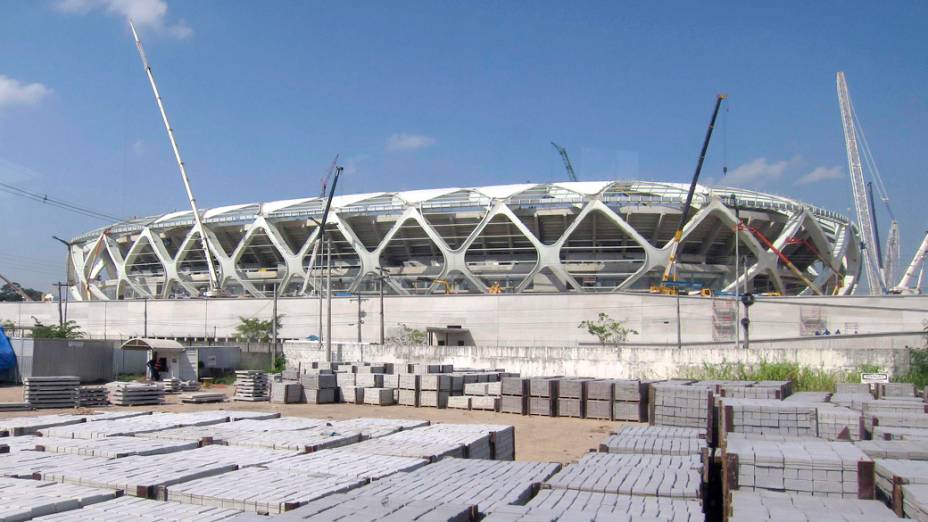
x=558 y=237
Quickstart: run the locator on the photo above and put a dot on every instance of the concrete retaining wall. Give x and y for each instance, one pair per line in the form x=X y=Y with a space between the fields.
x=659 y=361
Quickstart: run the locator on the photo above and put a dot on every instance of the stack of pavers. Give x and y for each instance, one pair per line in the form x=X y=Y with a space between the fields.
x=171 y=385
x=767 y=416
x=93 y=396
x=571 y=397
x=135 y=394
x=773 y=390
x=52 y=392
x=630 y=400
x=661 y=476
x=434 y=390
x=483 y=395
x=318 y=388
x=673 y=404
x=409 y=387
x=656 y=440
x=570 y=505
x=764 y=505
x=851 y=395
x=251 y=386
x=28 y=499
x=439 y=441
x=893 y=475
x=286 y=392
x=370 y=379
x=515 y=394
x=348 y=391
x=897 y=390
x=795 y=465
x=543 y=394
x=202 y=397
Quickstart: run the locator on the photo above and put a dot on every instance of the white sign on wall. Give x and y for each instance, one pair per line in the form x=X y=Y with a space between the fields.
x=874 y=378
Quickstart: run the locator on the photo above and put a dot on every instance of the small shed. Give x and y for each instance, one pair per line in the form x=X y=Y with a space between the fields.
x=175 y=359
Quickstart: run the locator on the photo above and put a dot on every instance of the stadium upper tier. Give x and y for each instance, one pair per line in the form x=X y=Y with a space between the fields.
x=557 y=237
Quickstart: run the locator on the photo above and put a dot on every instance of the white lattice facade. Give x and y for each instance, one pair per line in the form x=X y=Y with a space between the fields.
x=559 y=237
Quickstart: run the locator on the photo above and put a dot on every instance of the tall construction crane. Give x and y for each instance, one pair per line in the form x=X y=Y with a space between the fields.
x=566 y=159
x=916 y=267
x=201 y=230
x=862 y=206
x=18 y=289
x=670 y=271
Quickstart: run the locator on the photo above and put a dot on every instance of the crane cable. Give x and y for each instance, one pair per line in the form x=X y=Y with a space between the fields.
x=55 y=202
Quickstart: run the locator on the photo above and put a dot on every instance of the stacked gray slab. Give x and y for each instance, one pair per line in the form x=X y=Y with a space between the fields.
x=410 y=384
x=318 y=388
x=392 y=381
x=896 y=389
x=681 y=405
x=136 y=394
x=93 y=396
x=600 y=395
x=435 y=390
x=251 y=385
x=515 y=393
x=286 y=392
x=52 y=392
x=348 y=391
x=571 y=398
x=630 y=400
x=543 y=394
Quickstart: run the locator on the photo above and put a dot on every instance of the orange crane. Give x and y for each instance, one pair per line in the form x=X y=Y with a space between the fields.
x=789 y=264
x=834 y=268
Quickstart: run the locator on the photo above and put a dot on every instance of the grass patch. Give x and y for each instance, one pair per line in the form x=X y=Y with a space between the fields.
x=805 y=378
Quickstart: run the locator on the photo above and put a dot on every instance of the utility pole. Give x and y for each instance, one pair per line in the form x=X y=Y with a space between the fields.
x=382 y=278
x=145 y=316
x=359 y=318
x=60 y=313
x=319 y=291
x=328 y=299
x=734 y=202
x=679 y=327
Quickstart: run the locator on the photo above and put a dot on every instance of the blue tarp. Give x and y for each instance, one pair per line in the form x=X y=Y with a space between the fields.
x=7 y=357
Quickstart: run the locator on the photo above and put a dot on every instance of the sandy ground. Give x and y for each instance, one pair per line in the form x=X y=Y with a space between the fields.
x=554 y=439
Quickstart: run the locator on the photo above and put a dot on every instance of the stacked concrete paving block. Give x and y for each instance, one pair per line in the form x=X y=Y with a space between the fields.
x=29 y=499
x=514 y=395
x=630 y=400
x=853 y=388
x=796 y=465
x=378 y=396
x=361 y=508
x=570 y=506
x=482 y=483
x=344 y=462
x=111 y=447
x=369 y=380
x=445 y=440
x=409 y=386
x=838 y=423
x=543 y=396
x=434 y=390
x=52 y=392
x=347 y=390
x=895 y=449
x=571 y=397
x=893 y=474
x=899 y=433
x=768 y=416
x=600 y=395
x=372 y=428
x=286 y=392
x=459 y=402
x=142 y=510
x=760 y=506
x=251 y=386
x=809 y=396
x=318 y=388
x=16 y=426
x=89 y=396
x=772 y=390
x=135 y=394
x=639 y=475
x=655 y=440
x=202 y=397
x=896 y=390
x=915 y=502
x=681 y=405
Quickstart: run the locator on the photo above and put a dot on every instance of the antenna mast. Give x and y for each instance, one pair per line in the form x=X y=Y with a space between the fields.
x=213 y=278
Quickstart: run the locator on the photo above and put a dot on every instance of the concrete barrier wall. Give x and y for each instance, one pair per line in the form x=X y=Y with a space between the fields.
x=503 y=320
x=658 y=361
x=90 y=360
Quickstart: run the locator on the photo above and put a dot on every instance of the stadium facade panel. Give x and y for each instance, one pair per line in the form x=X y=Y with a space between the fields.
x=557 y=237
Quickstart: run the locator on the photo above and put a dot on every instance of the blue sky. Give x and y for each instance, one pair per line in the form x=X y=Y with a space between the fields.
x=429 y=94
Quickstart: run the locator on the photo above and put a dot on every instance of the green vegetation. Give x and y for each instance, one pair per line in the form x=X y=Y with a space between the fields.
x=130 y=377
x=918 y=368
x=607 y=329
x=227 y=379
x=256 y=330
x=8 y=293
x=280 y=364
x=805 y=378
x=407 y=336
x=68 y=330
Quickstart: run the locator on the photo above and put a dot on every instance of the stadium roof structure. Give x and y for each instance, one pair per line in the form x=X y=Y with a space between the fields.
x=593 y=236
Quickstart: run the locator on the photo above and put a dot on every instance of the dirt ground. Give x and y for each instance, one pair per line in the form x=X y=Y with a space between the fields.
x=553 y=439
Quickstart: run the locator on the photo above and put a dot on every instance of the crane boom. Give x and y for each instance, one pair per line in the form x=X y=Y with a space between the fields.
x=861 y=203
x=905 y=284
x=670 y=269
x=566 y=159
x=18 y=289
x=213 y=276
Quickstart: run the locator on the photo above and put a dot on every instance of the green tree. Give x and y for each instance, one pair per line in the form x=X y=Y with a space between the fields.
x=607 y=329
x=407 y=336
x=256 y=330
x=8 y=293
x=68 y=330
x=9 y=328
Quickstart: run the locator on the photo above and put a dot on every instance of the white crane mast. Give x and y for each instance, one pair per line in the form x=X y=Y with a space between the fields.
x=915 y=267
x=892 y=255
x=861 y=202
x=201 y=230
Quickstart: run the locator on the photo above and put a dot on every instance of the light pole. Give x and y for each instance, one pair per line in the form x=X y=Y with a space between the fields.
x=67 y=274
x=381 y=279
x=734 y=202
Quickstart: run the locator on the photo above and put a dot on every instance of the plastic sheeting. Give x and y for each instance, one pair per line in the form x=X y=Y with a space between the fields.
x=7 y=357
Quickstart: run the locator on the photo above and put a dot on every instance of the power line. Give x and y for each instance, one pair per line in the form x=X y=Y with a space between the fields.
x=55 y=202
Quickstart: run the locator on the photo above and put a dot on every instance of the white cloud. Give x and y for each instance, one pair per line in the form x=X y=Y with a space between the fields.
x=150 y=14
x=14 y=92
x=138 y=147
x=757 y=173
x=821 y=174
x=404 y=141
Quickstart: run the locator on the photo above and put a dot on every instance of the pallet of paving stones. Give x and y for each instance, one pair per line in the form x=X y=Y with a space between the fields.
x=653 y=446
x=378 y=396
x=52 y=392
x=89 y=396
x=438 y=441
x=796 y=465
x=379 y=509
x=286 y=392
x=543 y=396
x=639 y=475
x=29 y=499
x=680 y=405
x=893 y=474
x=111 y=447
x=873 y=422
x=15 y=406
x=146 y=477
x=552 y=505
x=259 y=490
x=15 y=426
x=771 y=390
x=760 y=506
x=514 y=396
x=347 y=463
x=131 y=426
x=854 y=401
x=202 y=397
x=28 y=464
x=896 y=390
x=304 y=441
x=251 y=386
x=170 y=385
x=839 y=423
x=894 y=449
x=809 y=396
x=898 y=433
x=768 y=416
x=373 y=428
x=483 y=483
x=143 y=510
x=135 y=394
